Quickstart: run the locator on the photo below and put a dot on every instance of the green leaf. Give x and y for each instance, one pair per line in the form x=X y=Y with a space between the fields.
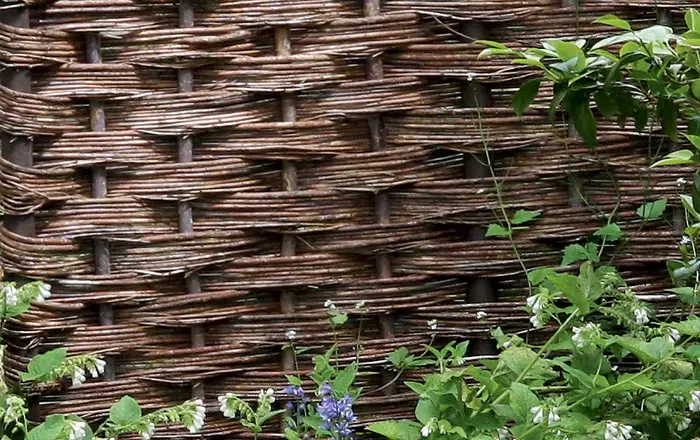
x=689 y=327
x=695 y=140
x=426 y=410
x=695 y=88
x=125 y=412
x=668 y=112
x=337 y=319
x=522 y=400
x=291 y=434
x=652 y=210
x=525 y=96
x=584 y=122
x=44 y=364
x=523 y=216
x=680 y=157
x=574 y=253
x=397 y=357
x=648 y=352
x=495 y=230
x=654 y=34
x=614 y=21
x=293 y=380
x=537 y=276
x=689 y=206
x=49 y=430
x=396 y=429
x=568 y=51
x=610 y=232
x=345 y=378
x=692 y=20
x=606 y=103
x=569 y=286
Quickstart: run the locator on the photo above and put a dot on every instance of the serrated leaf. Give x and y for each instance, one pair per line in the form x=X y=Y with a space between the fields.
x=293 y=380
x=125 y=412
x=569 y=286
x=525 y=96
x=689 y=327
x=574 y=253
x=496 y=230
x=397 y=357
x=614 y=21
x=345 y=379
x=522 y=400
x=648 y=352
x=337 y=319
x=524 y=216
x=652 y=210
x=611 y=232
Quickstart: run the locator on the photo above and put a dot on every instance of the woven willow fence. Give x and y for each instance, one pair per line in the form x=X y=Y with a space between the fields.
x=197 y=178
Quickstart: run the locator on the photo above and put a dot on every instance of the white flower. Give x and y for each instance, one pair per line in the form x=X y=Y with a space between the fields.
x=148 y=433
x=427 y=429
x=683 y=424
x=44 y=292
x=224 y=407
x=77 y=430
x=432 y=324
x=481 y=314
x=672 y=335
x=537 y=321
x=553 y=416
x=507 y=344
x=291 y=335
x=502 y=434
x=685 y=240
x=329 y=304
x=582 y=335
x=268 y=395
x=641 y=315
x=197 y=417
x=694 y=405
x=617 y=431
x=614 y=368
x=10 y=293
x=100 y=364
x=681 y=181
x=537 y=414
x=535 y=303
x=78 y=376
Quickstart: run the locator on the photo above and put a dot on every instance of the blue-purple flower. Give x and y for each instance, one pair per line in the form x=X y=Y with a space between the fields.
x=337 y=415
x=297 y=407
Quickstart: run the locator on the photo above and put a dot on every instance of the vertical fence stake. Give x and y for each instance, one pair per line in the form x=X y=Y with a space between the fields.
x=477 y=95
x=19 y=150
x=99 y=190
x=382 y=203
x=185 y=84
x=283 y=47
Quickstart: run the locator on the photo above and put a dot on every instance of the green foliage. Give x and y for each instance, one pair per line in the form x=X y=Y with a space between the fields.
x=521 y=217
x=652 y=210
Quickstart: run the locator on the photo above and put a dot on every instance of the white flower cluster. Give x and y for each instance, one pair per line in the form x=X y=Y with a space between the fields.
x=672 y=335
x=198 y=413
x=329 y=304
x=78 y=430
x=537 y=304
x=539 y=414
x=9 y=294
x=148 y=432
x=694 y=405
x=641 y=314
x=429 y=427
x=617 y=431
x=15 y=409
x=44 y=292
x=266 y=396
x=94 y=366
x=683 y=424
x=291 y=335
x=583 y=335
x=502 y=434
x=224 y=406
x=433 y=324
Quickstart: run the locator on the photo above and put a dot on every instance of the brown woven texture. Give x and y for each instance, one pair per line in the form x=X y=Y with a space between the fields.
x=332 y=153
